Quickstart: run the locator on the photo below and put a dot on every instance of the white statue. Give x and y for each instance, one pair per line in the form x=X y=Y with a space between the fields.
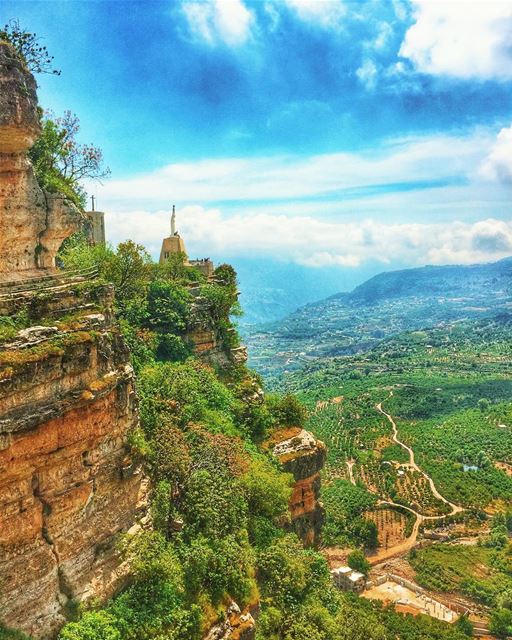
x=173 y=221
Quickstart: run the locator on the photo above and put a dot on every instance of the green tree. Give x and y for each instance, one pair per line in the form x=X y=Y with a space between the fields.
x=267 y=490
x=464 y=624
x=175 y=268
x=77 y=254
x=129 y=269
x=501 y=623
x=366 y=532
x=484 y=404
x=357 y=560
x=227 y=275
x=168 y=305
x=94 y=625
x=61 y=162
x=287 y=411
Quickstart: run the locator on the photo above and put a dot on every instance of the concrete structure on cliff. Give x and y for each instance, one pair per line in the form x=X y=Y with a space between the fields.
x=174 y=244
x=68 y=488
x=349 y=580
x=95 y=224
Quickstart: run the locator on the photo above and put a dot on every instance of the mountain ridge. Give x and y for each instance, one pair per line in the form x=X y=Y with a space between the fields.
x=386 y=304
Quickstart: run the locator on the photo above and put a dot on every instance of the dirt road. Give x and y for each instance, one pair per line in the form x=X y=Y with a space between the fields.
x=412 y=464
x=405 y=546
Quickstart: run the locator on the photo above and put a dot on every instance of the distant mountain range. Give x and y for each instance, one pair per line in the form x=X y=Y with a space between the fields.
x=384 y=305
x=271 y=289
x=450 y=280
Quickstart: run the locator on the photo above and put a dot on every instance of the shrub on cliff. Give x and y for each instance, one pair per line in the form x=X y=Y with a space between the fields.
x=94 y=625
x=287 y=411
x=28 y=45
x=267 y=489
x=189 y=391
x=11 y=634
x=168 y=307
x=175 y=269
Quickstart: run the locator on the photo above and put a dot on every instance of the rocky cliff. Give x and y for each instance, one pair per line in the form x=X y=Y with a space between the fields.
x=33 y=223
x=69 y=489
x=67 y=403
x=302 y=455
x=67 y=486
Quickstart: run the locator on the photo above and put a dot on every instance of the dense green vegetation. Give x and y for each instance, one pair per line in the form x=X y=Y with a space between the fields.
x=218 y=499
x=345 y=503
x=449 y=390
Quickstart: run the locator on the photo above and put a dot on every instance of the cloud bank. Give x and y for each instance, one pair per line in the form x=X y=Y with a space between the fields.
x=461 y=39
x=428 y=159
x=311 y=242
x=395 y=204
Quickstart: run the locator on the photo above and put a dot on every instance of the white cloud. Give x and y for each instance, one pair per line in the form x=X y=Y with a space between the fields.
x=498 y=164
x=334 y=209
x=384 y=33
x=327 y=14
x=421 y=159
x=461 y=38
x=367 y=74
x=400 y=9
x=316 y=243
x=214 y=21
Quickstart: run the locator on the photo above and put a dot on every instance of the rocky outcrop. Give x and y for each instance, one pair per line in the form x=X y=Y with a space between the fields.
x=206 y=340
x=302 y=455
x=238 y=625
x=68 y=487
x=33 y=224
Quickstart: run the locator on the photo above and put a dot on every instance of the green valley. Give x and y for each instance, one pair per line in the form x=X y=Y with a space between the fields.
x=418 y=426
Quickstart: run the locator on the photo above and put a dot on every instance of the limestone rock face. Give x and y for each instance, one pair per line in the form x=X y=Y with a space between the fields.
x=68 y=487
x=33 y=224
x=302 y=455
x=237 y=626
x=204 y=336
x=19 y=121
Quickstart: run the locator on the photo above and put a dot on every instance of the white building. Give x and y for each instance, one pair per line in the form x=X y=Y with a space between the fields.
x=349 y=580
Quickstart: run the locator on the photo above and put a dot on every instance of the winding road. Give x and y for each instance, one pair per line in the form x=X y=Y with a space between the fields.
x=406 y=545
x=412 y=464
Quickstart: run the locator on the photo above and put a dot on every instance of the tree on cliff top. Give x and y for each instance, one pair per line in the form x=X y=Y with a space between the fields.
x=28 y=45
x=61 y=162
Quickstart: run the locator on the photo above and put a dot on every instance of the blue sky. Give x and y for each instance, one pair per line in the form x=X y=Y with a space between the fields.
x=322 y=133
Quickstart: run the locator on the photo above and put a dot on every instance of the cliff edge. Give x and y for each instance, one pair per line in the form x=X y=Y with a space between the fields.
x=33 y=223
x=67 y=403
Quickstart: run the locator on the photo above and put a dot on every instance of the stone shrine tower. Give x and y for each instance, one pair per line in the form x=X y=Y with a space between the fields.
x=96 y=224
x=174 y=243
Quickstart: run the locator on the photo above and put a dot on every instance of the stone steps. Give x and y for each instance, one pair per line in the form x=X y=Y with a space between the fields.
x=53 y=283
